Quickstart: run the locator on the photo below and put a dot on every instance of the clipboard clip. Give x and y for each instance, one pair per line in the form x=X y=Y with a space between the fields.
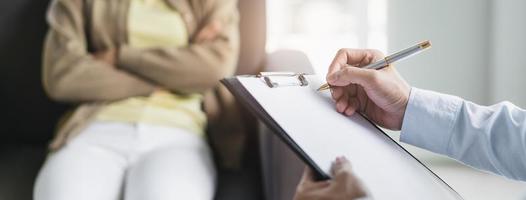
x=276 y=79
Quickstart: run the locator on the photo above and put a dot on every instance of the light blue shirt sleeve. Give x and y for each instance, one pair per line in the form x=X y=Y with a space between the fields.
x=491 y=138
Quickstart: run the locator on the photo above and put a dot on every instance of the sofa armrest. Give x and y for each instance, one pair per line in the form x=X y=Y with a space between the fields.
x=281 y=168
x=289 y=61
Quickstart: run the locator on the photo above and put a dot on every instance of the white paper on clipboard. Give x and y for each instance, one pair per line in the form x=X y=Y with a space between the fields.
x=309 y=118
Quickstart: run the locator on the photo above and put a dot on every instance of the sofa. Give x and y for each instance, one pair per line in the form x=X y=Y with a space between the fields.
x=28 y=117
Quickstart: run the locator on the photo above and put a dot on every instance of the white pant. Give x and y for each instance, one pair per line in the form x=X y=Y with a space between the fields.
x=111 y=161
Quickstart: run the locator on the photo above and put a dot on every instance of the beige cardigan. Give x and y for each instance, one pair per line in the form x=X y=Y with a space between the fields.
x=72 y=75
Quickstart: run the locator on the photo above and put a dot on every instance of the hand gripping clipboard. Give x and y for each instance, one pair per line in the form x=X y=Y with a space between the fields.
x=307 y=122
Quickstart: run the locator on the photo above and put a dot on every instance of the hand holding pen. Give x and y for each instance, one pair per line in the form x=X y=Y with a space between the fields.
x=381 y=94
x=386 y=61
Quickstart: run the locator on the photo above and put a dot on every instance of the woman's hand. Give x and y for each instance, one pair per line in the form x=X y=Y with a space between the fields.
x=382 y=95
x=343 y=186
x=209 y=32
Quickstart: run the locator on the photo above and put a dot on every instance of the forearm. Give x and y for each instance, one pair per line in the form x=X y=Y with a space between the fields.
x=488 y=138
x=429 y=119
x=88 y=80
x=497 y=135
x=196 y=68
x=70 y=72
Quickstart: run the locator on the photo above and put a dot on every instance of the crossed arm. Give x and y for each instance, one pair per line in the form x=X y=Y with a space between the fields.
x=72 y=74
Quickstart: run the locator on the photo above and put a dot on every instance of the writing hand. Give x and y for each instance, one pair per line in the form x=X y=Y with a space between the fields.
x=381 y=95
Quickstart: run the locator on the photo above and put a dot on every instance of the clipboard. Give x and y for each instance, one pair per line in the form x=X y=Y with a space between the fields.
x=249 y=102
x=260 y=92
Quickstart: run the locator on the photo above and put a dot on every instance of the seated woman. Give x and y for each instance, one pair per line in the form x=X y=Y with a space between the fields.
x=136 y=71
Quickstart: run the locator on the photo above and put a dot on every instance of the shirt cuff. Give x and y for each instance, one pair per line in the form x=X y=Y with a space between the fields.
x=429 y=119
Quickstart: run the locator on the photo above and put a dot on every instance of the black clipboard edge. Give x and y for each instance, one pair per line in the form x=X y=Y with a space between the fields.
x=249 y=102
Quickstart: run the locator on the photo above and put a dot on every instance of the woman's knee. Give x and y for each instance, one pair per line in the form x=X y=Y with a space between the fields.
x=72 y=173
x=171 y=174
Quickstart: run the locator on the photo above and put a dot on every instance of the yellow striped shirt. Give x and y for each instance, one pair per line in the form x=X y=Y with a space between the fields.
x=153 y=23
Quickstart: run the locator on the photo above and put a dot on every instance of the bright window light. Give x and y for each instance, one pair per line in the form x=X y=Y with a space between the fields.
x=321 y=27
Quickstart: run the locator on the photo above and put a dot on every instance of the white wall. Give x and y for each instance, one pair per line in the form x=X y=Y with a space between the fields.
x=508 y=52
x=459 y=33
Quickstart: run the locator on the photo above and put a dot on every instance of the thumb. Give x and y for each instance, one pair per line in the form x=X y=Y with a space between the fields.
x=341 y=166
x=352 y=75
x=308 y=175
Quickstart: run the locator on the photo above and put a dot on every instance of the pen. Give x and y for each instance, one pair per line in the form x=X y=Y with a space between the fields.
x=391 y=59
